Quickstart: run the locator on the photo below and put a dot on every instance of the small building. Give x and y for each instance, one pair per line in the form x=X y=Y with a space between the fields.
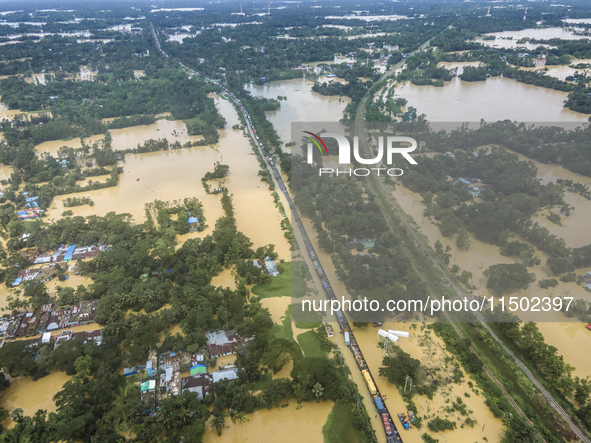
x=539 y=62
x=221 y=343
x=198 y=383
x=225 y=374
x=69 y=253
x=64 y=336
x=59 y=319
x=464 y=181
x=271 y=266
x=46 y=338
x=29 y=214
x=193 y=224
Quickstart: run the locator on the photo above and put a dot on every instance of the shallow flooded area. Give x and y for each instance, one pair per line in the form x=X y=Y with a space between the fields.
x=510 y=39
x=31 y=395
x=302 y=104
x=176 y=174
x=492 y=100
x=292 y=424
x=482 y=255
x=225 y=279
x=430 y=350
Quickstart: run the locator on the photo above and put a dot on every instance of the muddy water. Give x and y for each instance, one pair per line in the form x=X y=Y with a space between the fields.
x=289 y=425
x=33 y=395
x=129 y=138
x=482 y=255
x=373 y=355
x=302 y=104
x=52 y=147
x=429 y=349
x=539 y=34
x=460 y=101
x=225 y=279
x=177 y=174
x=574 y=227
x=172 y=130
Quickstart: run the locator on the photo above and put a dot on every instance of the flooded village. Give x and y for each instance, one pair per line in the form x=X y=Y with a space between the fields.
x=262 y=209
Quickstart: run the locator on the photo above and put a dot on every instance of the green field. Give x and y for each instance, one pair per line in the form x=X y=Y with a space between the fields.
x=311 y=345
x=339 y=426
x=280 y=285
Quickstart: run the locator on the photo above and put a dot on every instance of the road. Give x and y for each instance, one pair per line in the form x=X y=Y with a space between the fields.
x=388 y=424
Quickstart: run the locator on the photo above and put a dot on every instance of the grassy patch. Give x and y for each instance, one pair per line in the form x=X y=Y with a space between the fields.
x=284 y=330
x=280 y=285
x=307 y=324
x=339 y=426
x=310 y=344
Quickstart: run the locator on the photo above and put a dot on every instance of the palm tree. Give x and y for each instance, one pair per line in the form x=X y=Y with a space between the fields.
x=218 y=423
x=318 y=391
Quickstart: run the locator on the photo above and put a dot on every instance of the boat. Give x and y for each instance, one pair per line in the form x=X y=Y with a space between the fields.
x=411 y=417
x=404 y=421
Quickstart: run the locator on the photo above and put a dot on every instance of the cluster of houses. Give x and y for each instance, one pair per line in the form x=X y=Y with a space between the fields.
x=267 y=264
x=475 y=185
x=48 y=261
x=31 y=209
x=353 y=243
x=46 y=319
x=172 y=373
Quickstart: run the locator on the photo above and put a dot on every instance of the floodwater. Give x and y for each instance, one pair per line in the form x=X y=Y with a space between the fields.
x=302 y=104
x=374 y=356
x=172 y=130
x=482 y=255
x=176 y=174
x=292 y=424
x=492 y=100
x=509 y=39
x=430 y=350
x=52 y=146
x=128 y=138
x=31 y=395
x=367 y=18
x=573 y=229
x=225 y=279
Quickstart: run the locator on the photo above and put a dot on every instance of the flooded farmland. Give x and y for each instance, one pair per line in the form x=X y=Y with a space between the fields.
x=176 y=174
x=491 y=100
x=31 y=395
x=293 y=423
x=302 y=104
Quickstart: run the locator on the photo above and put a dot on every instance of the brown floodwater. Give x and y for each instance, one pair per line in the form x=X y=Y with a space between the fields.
x=225 y=279
x=482 y=255
x=374 y=356
x=292 y=424
x=492 y=100
x=302 y=104
x=31 y=395
x=176 y=174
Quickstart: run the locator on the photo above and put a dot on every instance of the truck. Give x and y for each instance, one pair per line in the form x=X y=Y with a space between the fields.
x=347 y=341
x=379 y=405
x=369 y=382
x=386 y=424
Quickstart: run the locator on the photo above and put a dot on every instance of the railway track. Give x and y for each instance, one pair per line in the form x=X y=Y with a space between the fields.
x=461 y=295
x=392 y=434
